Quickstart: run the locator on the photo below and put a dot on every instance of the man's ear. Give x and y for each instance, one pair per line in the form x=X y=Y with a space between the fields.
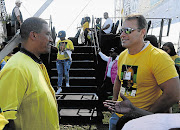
x=143 y=31
x=33 y=35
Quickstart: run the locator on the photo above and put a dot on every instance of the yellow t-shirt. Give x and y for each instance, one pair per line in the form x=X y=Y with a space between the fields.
x=26 y=95
x=3 y=121
x=1 y=61
x=176 y=59
x=62 y=46
x=6 y=58
x=140 y=75
x=85 y=25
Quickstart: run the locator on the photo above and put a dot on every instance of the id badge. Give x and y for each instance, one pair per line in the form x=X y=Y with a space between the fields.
x=122 y=90
x=133 y=93
x=61 y=53
x=127 y=75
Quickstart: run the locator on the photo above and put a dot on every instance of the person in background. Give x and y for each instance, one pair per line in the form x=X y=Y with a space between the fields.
x=111 y=72
x=106 y=90
x=86 y=30
x=6 y=58
x=98 y=24
x=26 y=96
x=146 y=75
x=64 y=60
x=169 y=48
x=152 y=39
x=16 y=17
x=2 y=64
x=107 y=26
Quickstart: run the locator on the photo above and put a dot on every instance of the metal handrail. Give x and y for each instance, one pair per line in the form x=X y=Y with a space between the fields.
x=93 y=24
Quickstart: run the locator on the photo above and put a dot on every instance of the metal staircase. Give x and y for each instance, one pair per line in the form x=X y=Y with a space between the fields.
x=79 y=102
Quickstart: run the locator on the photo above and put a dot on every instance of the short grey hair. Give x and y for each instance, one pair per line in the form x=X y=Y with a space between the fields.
x=31 y=24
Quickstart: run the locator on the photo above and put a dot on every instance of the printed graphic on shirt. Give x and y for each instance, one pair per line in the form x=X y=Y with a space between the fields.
x=128 y=80
x=62 y=46
x=62 y=49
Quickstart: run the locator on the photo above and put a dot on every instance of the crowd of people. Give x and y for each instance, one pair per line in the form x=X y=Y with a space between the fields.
x=143 y=79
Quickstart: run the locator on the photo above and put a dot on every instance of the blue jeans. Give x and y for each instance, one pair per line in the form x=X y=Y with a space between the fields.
x=113 y=121
x=63 y=66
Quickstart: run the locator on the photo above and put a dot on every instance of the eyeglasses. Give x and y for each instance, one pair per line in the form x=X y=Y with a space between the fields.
x=126 y=30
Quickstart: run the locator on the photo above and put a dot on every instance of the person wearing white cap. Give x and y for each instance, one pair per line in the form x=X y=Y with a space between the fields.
x=16 y=17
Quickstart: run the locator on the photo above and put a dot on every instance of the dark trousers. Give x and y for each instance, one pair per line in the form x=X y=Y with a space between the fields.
x=87 y=41
x=107 y=86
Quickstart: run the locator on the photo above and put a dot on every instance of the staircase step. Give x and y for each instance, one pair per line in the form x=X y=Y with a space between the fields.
x=75 y=77
x=81 y=49
x=82 y=56
x=77 y=69
x=79 y=89
x=77 y=72
x=80 y=116
x=78 y=64
x=82 y=53
x=77 y=100
x=77 y=81
x=78 y=112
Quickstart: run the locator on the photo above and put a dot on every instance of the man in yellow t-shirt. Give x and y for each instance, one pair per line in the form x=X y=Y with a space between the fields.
x=146 y=75
x=64 y=60
x=26 y=95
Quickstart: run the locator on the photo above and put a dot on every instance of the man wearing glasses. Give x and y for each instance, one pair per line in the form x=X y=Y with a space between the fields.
x=146 y=75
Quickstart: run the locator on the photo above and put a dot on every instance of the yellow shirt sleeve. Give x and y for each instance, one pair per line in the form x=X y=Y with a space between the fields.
x=71 y=47
x=164 y=68
x=85 y=25
x=12 y=90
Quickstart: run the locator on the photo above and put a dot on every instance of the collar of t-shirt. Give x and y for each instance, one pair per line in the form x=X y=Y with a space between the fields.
x=146 y=44
x=23 y=50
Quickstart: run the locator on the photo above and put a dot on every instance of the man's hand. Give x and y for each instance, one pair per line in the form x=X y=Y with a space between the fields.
x=98 y=50
x=122 y=107
x=125 y=107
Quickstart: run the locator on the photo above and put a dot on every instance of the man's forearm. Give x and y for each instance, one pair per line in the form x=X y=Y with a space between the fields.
x=107 y=26
x=163 y=103
x=140 y=112
x=136 y=113
x=116 y=88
